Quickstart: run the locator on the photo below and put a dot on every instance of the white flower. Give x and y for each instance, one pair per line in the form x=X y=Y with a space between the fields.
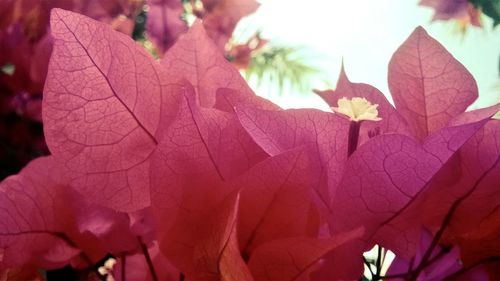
x=357 y=109
x=107 y=269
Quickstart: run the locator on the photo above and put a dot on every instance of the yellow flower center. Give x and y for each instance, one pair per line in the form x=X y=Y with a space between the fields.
x=357 y=109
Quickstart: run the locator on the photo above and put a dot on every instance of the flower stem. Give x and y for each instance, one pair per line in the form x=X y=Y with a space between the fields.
x=352 y=141
x=368 y=265
x=379 y=260
x=123 y=270
x=145 y=251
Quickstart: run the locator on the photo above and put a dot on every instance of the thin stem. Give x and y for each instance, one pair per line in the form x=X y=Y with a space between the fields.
x=412 y=274
x=124 y=264
x=472 y=266
x=449 y=216
x=145 y=251
x=444 y=251
x=369 y=267
x=352 y=141
x=439 y=234
x=379 y=260
x=378 y=264
x=446 y=222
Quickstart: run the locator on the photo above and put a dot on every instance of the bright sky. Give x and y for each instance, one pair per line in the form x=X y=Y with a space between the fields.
x=366 y=33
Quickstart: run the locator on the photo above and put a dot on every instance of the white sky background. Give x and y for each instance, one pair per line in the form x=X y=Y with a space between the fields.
x=366 y=33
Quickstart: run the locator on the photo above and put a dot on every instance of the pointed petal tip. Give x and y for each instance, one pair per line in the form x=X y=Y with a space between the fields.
x=57 y=13
x=197 y=25
x=342 y=76
x=420 y=30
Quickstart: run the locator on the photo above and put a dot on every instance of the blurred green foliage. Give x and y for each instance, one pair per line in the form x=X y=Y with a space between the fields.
x=282 y=66
x=491 y=8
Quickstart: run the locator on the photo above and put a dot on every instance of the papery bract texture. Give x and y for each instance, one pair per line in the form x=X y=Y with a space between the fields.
x=102 y=105
x=228 y=99
x=33 y=234
x=277 y=200
x=428 y=85
x=179 y=171
x=289 y=259
x=195 y=57
x=473 y=196
x=400 y=172
x=326 y=134
x=201 y=149
x=52 y=224
x=217 y=243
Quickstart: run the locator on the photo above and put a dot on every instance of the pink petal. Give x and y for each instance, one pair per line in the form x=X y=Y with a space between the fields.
x=428 y=85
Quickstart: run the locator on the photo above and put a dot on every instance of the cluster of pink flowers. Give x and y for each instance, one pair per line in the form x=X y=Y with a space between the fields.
x=176 y=170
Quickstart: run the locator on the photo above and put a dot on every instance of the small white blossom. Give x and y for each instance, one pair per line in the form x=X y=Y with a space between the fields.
x=357 y=109
x=107 y=269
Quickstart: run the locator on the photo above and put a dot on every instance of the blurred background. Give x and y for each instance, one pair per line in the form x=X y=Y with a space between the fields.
x=284 y=48
x=365 y=33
